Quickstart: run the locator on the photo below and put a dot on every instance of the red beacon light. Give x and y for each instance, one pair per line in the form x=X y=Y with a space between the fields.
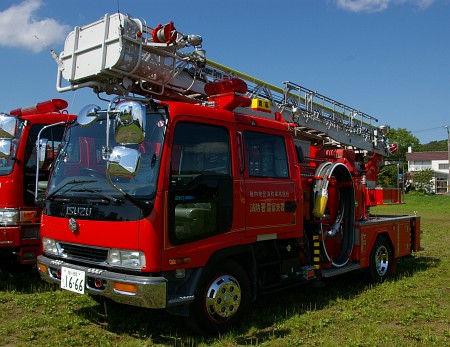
x=228 y=94
x=49 y=106
x=232 y=85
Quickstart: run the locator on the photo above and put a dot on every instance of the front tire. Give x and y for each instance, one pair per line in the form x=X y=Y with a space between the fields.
x=221 y=299
x=380 y=260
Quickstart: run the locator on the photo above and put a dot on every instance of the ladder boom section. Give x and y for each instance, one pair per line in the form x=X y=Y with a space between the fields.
x=121 y=55
x=312 y=114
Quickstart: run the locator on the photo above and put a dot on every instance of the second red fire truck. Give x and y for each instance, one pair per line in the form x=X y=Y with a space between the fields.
x=199 y=188
x=19 y=215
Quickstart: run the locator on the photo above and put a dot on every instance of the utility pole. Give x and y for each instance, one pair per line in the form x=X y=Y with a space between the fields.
x=448 y=151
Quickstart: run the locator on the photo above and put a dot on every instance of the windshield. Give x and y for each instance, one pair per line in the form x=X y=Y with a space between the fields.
x=80 y=169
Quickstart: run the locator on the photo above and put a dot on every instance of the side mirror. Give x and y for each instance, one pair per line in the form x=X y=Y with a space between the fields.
x=124 y=162
x=5 y=148
x=129 y=123
x=88 y=115
x=8 y=126
x=42 y=151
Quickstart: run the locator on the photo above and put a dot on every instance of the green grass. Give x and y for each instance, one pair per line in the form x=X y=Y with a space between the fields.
x=412 y=308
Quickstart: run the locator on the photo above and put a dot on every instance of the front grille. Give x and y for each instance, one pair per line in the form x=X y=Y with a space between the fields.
x=86 y=253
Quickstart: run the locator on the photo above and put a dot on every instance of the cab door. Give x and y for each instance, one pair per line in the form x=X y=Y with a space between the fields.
x=201 y=184
x=270 y=190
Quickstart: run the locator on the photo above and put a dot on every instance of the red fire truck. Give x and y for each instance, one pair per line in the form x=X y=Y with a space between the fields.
x=19 y=215
x=199 y=187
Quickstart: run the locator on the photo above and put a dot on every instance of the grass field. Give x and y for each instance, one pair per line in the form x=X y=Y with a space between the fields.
x=410 y=309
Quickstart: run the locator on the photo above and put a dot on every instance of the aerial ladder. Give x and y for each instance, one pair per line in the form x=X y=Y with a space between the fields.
x=121 y=55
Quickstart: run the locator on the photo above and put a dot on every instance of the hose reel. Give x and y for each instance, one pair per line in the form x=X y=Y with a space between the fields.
x=346 y=211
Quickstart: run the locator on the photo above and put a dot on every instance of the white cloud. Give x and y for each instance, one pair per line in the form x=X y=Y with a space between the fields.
x=378 y=5
x=363 y=5
x=19 y=27
x=424 y=3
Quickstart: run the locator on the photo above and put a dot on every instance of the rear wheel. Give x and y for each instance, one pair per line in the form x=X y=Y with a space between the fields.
x=221 y=300
x=380 y=260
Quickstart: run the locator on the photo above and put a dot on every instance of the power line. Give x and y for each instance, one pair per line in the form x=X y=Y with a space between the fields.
x=429 y=129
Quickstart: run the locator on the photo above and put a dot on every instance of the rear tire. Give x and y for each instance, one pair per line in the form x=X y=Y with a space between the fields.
x=222 y=298
x=380 y=260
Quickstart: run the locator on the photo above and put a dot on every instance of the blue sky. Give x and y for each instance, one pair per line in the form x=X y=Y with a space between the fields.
x=387 y=58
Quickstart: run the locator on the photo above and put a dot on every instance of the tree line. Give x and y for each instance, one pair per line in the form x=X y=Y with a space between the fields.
x=389 y=174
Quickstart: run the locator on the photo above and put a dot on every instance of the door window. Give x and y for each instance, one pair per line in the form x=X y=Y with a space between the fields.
x=266 y=155
x=201 y=184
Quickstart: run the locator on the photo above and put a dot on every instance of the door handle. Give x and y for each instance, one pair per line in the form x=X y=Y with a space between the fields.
x=290 y=206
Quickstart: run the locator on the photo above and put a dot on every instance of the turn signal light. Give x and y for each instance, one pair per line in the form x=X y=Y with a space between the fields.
x=125 y=287
x=42 y=267
x=179 y=261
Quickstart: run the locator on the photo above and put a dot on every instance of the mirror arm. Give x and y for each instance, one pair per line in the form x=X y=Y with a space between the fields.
x=107 y=149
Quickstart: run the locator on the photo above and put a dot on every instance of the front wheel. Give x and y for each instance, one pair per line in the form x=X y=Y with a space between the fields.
x=221 y=300
x=380 y=260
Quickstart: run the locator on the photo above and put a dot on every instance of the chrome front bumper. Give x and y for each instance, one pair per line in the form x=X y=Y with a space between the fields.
x=151 y=292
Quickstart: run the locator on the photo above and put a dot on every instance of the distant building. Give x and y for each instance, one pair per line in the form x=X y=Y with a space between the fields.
x=436 y=161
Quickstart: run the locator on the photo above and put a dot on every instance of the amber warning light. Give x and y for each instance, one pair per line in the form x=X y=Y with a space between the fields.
x=53 y=105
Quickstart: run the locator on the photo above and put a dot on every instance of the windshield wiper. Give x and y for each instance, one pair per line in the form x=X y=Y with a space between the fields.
x=74 y=182
x=99 y=192
x=145 y=205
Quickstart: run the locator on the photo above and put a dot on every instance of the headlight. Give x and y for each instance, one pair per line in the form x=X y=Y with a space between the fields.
x=127 y=259
x=9 y=216
x=50 y=246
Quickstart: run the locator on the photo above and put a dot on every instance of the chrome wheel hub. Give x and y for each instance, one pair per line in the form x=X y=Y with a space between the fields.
x=223 y=297
x=382 y=260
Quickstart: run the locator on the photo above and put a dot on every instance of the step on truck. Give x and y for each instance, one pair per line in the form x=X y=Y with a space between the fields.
x=199 y=187
x=19 y=215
